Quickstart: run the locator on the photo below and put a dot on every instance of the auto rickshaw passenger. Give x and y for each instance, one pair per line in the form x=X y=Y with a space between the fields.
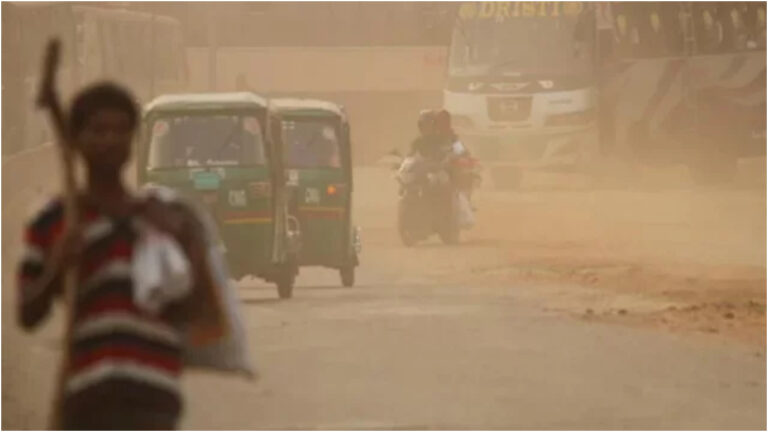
x=312 y=145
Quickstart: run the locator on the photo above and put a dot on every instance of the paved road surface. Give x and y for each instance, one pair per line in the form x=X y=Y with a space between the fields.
x=410 y=347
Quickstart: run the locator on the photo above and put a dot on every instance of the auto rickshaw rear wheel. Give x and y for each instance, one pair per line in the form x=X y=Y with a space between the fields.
x=449 y=235
x=285 y=280
x=285 y=286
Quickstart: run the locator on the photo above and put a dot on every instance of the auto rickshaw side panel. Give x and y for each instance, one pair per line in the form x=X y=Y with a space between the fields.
x=240 y=204
x=322 y=201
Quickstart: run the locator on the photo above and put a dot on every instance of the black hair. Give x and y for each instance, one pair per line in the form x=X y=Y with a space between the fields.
x=104 y=95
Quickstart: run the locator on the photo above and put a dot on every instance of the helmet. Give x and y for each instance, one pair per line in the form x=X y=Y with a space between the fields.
x=426 y=120
x=442 y=120
x=426 y=116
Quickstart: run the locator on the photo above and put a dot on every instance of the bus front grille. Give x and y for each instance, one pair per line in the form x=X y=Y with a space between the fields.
x=509 y=109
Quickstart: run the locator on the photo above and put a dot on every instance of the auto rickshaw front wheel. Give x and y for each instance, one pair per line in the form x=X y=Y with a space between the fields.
x=347 y=276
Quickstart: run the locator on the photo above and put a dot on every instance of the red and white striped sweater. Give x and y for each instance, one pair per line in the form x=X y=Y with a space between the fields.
x=121 y=357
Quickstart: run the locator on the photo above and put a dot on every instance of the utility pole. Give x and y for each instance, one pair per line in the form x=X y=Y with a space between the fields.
x=153 y=59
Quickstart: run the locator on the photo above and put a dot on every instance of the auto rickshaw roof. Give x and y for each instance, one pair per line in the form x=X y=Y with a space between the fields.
x=205 y=101
x=307 y=107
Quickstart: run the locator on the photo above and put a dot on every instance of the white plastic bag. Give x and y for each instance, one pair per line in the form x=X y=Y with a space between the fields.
x=458 y=148
x=465 y=214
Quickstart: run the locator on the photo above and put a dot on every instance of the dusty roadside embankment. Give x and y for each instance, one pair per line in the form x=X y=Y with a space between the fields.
x=662 y=252
x=659 y=251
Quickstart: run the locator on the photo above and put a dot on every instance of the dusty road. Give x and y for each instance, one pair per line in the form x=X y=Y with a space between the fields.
x=565 y=308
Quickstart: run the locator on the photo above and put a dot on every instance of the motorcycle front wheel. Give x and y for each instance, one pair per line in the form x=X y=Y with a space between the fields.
x=448 y=228
x=449 y=234
x=403 y=228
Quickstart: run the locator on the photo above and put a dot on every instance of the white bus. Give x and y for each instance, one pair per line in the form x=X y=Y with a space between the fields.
x=537 y=84
x=520 y=85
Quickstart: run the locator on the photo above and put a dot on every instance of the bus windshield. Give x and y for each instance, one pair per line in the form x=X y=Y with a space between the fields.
x=516 y=38
x=658 y=29
x=205 y=140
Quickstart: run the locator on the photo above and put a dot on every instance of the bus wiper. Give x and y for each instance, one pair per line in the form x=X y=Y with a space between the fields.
x=220 y=149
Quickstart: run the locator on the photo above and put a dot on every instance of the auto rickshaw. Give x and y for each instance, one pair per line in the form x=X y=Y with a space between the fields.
x=317 y=159
x=216 y=149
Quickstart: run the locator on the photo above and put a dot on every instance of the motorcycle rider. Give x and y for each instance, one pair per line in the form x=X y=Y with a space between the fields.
x=426 y=144
x=446 y=134
x=463 y=175
x=438 y=143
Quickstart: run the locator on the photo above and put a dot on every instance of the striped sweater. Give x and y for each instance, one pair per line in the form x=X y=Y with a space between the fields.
x=120 y=357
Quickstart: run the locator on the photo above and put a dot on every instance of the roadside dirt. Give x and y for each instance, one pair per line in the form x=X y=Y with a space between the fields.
x=679 y=258
x=727 y=301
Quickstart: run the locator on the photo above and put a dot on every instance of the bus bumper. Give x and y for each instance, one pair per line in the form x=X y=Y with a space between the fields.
x=533 y=148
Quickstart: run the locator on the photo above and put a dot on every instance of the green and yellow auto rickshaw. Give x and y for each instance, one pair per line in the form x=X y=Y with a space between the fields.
x=317 y=159
x=217 y=150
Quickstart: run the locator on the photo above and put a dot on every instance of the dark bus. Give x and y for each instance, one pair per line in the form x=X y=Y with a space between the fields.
x=143 y=51
x=684 y=82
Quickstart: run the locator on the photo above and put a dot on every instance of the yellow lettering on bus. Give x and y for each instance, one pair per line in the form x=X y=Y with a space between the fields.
x=502 y=11
x=655 y=21
x=543 y=9
x=572 y=8
x=621 y=23
x=487 y=9
x=468 y=11
x=529 y=9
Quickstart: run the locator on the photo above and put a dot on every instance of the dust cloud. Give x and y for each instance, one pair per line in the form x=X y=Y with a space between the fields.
x=648 y=213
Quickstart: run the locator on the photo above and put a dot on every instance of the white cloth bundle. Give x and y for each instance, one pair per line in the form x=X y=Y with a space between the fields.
x=160 y=271
x=229 y=353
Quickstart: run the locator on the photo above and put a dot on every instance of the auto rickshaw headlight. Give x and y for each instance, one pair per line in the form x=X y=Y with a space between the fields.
x=210 y=198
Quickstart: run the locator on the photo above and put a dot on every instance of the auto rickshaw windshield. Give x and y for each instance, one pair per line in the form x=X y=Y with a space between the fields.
x=180 y=141
x=311 y=144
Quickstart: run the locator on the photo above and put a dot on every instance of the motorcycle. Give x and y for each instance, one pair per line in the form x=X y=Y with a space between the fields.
x=430 y=199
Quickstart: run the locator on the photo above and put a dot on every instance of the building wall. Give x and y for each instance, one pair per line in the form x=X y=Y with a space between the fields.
x=382 y=88
x=321 y=69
